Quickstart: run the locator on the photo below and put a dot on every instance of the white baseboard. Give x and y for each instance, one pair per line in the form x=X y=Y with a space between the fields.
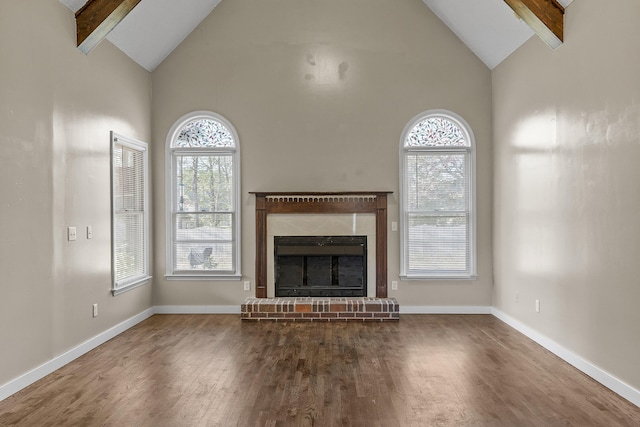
x=436 y=309
x=598 y=374
x=197 y=309
x=57 y=362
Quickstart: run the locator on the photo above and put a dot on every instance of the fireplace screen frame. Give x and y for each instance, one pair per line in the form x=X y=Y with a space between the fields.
x=268 y=203
x=320 y=266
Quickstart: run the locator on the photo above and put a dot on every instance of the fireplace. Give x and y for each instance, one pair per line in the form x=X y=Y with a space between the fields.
x=328 y=204
x=320 y=266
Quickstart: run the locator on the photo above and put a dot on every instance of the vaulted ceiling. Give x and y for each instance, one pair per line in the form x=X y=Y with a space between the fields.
x=154 y=28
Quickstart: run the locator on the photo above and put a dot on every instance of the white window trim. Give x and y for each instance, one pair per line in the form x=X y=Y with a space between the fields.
x=170 y=193
x=449 y=115
x=118 y=288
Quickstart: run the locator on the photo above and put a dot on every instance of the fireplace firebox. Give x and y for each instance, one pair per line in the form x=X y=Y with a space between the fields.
x=320 y=266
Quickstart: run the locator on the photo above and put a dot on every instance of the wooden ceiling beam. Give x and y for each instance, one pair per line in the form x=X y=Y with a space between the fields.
x=97 y=18
x=545 y=17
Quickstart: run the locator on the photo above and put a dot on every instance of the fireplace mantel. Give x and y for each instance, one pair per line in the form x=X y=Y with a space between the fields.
x=374 y=202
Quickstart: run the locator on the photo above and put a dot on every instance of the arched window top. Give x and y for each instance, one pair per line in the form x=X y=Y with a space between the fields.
x=203 y=130
x=436 y=129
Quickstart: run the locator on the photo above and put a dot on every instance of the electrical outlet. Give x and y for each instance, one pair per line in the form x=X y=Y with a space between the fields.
x=95 y=310
x=247 y=285
x=394 y=285
x=71 y=233
x=537 y=306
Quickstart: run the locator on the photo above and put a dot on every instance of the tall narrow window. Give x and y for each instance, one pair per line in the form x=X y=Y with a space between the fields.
x=203 y=198
x=130 y=213
x=437 y=197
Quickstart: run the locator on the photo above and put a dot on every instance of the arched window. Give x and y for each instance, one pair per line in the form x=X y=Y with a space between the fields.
x=203 y=182
x=437 y=161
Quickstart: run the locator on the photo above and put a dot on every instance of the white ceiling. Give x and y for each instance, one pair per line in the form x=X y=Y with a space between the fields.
x=156 y=27
x=488 y=27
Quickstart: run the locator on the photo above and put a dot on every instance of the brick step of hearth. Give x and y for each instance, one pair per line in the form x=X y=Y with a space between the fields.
x=320 y=309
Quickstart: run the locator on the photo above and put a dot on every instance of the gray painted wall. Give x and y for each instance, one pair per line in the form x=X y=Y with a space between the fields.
x=319 y=93
x=567 y=143
x=57 y=107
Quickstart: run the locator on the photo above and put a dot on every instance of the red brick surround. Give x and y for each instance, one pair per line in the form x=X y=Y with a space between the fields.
x=321 y=309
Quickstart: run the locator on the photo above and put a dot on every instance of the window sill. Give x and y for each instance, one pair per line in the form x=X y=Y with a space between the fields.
x=129 y=286
x=216 y=277
x=437 y=277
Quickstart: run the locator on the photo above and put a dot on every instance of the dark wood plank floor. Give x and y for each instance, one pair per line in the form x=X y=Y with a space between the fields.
x=214 y=370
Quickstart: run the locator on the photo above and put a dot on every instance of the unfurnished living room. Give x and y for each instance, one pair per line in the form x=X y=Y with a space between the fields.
x=319 y=213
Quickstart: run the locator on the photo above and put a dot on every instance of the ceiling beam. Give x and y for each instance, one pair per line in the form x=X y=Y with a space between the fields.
x=545 y=17
x=97 y=18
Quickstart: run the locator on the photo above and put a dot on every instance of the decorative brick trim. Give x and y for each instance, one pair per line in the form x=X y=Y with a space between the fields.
x=321 y=309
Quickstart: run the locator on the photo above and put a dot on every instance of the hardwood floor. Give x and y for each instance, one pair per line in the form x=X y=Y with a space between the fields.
x=215 y=370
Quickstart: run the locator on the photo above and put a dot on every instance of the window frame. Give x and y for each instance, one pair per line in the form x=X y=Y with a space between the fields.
x=123 y=285
x=471 y=272
x=171 y=176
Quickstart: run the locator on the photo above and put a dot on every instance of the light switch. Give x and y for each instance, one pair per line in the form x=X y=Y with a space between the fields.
x=89 y=232
x=71 y=233
x=394 y=226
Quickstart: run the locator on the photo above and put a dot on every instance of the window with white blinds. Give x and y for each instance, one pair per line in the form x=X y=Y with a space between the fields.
x=203 y=170
x=437 y=197
x=130 y=216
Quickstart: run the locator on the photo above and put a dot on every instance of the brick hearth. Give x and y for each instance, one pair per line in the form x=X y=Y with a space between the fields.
x=321 y=309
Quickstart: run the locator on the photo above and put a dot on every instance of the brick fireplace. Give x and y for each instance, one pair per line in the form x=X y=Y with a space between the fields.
x=274 y=203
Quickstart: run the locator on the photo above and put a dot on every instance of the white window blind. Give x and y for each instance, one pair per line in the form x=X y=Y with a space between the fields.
x=130 y=213
x=437 y=198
